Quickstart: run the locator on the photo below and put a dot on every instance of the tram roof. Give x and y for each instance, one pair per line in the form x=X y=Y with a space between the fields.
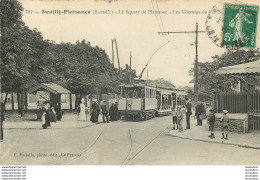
x=152 y=86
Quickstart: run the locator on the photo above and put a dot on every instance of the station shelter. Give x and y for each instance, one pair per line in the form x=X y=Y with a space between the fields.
x=243 y=107
x=50 y=92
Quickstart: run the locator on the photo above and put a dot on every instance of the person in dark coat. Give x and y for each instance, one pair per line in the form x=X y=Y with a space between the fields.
x=93 y=113
x=47 y=116
x=58 y=111
x=98 y=111
x=112 y=112
x=199 y=111
x=188 y=113
x=104 y=112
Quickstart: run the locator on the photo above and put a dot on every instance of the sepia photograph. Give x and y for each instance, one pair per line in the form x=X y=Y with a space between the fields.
x=121 y=82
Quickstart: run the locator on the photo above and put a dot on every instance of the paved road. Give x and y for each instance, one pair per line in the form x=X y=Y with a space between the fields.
x=117 y=143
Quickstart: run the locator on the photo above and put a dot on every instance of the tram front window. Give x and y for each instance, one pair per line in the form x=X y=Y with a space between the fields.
x=133 y=92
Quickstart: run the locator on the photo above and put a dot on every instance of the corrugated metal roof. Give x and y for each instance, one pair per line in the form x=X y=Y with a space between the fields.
x=52 y=87
x=246 y=68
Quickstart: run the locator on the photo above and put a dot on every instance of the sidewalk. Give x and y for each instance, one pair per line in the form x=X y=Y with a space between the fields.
x=69 y=121
x=201 y=133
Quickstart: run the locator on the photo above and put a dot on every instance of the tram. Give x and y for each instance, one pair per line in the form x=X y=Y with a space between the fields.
x=144 y=101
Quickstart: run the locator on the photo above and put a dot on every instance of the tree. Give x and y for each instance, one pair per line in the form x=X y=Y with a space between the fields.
x=17 y=52
x=126 y=73
x=209 y=83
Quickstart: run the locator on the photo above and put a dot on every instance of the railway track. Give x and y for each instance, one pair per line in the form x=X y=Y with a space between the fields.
x=84 y=152
x=128 y=160
x=130 y=156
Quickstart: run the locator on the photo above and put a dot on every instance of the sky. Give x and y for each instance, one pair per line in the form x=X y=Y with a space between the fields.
x=136 y=32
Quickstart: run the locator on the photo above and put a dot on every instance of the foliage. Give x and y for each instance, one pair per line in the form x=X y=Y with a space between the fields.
x=209 y=84
x=16 y=49
x=126 y=73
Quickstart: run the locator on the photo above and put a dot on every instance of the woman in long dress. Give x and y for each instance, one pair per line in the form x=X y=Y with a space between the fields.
x=46 y=114
x=82 y=112
x=93 y=113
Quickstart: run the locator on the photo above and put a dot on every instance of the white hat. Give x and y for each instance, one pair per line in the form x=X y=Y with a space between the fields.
x=82 y=100
x=225 y=111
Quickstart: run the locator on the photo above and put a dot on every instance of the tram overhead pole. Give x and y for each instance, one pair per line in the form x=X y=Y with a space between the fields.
x=196 y=56
x=118 y=58
x=113 y=60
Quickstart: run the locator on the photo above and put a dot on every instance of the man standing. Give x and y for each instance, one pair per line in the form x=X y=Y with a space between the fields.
x=112 y=112
x=199 y=111
x=188 y=113
x=104 y=112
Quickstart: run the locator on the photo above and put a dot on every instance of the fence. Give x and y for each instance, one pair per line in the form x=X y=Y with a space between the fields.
x=237 y=103
x=241 y=103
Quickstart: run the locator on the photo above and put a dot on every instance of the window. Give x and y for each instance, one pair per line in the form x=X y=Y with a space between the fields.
x=32 y=98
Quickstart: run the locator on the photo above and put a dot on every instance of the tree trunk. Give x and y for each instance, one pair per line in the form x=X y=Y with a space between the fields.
x=70 y=102
x=19 y=102
x=1 y=122
x=76 y=101
x=90 y=107
x=22 y=103
x=12 y=101
x=25 y=102
x=5 y=100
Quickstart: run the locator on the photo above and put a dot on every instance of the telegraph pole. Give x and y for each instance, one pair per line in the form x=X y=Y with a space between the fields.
x=196 y=66
x=196 y=56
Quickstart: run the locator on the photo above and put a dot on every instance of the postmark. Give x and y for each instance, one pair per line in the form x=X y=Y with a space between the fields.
x=214 y=23
x=239 y=26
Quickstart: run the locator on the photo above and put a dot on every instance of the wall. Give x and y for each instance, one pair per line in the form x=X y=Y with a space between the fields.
x=238 y=122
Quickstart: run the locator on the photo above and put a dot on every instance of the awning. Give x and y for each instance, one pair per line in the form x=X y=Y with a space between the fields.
x=241 y=69
x=51 y=87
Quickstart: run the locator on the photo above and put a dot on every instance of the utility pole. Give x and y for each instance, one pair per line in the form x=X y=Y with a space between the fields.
x=113 y=61
x=196 y=65
x=118 y=59
x=130 y=78
x=196 y=56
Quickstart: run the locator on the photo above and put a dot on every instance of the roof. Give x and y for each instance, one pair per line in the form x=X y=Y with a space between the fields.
x=51 y=87
x=162 y=83
x=181 y=93
x=245 y=68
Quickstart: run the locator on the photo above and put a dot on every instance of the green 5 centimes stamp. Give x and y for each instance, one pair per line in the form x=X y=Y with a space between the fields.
x=239 y=26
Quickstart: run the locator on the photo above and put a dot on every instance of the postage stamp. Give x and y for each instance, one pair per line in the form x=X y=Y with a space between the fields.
x=239 y=26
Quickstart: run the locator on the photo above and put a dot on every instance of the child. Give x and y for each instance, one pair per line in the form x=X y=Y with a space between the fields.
x=211 y=118
x=225 y=123
x=174 y=119
x=179 y=118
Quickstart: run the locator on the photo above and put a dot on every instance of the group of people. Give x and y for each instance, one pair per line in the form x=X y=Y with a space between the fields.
x=224 y=123
x=184 y=112
x=50 y=113
x=180 y=113
x=96 y=109
x=108 y=115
